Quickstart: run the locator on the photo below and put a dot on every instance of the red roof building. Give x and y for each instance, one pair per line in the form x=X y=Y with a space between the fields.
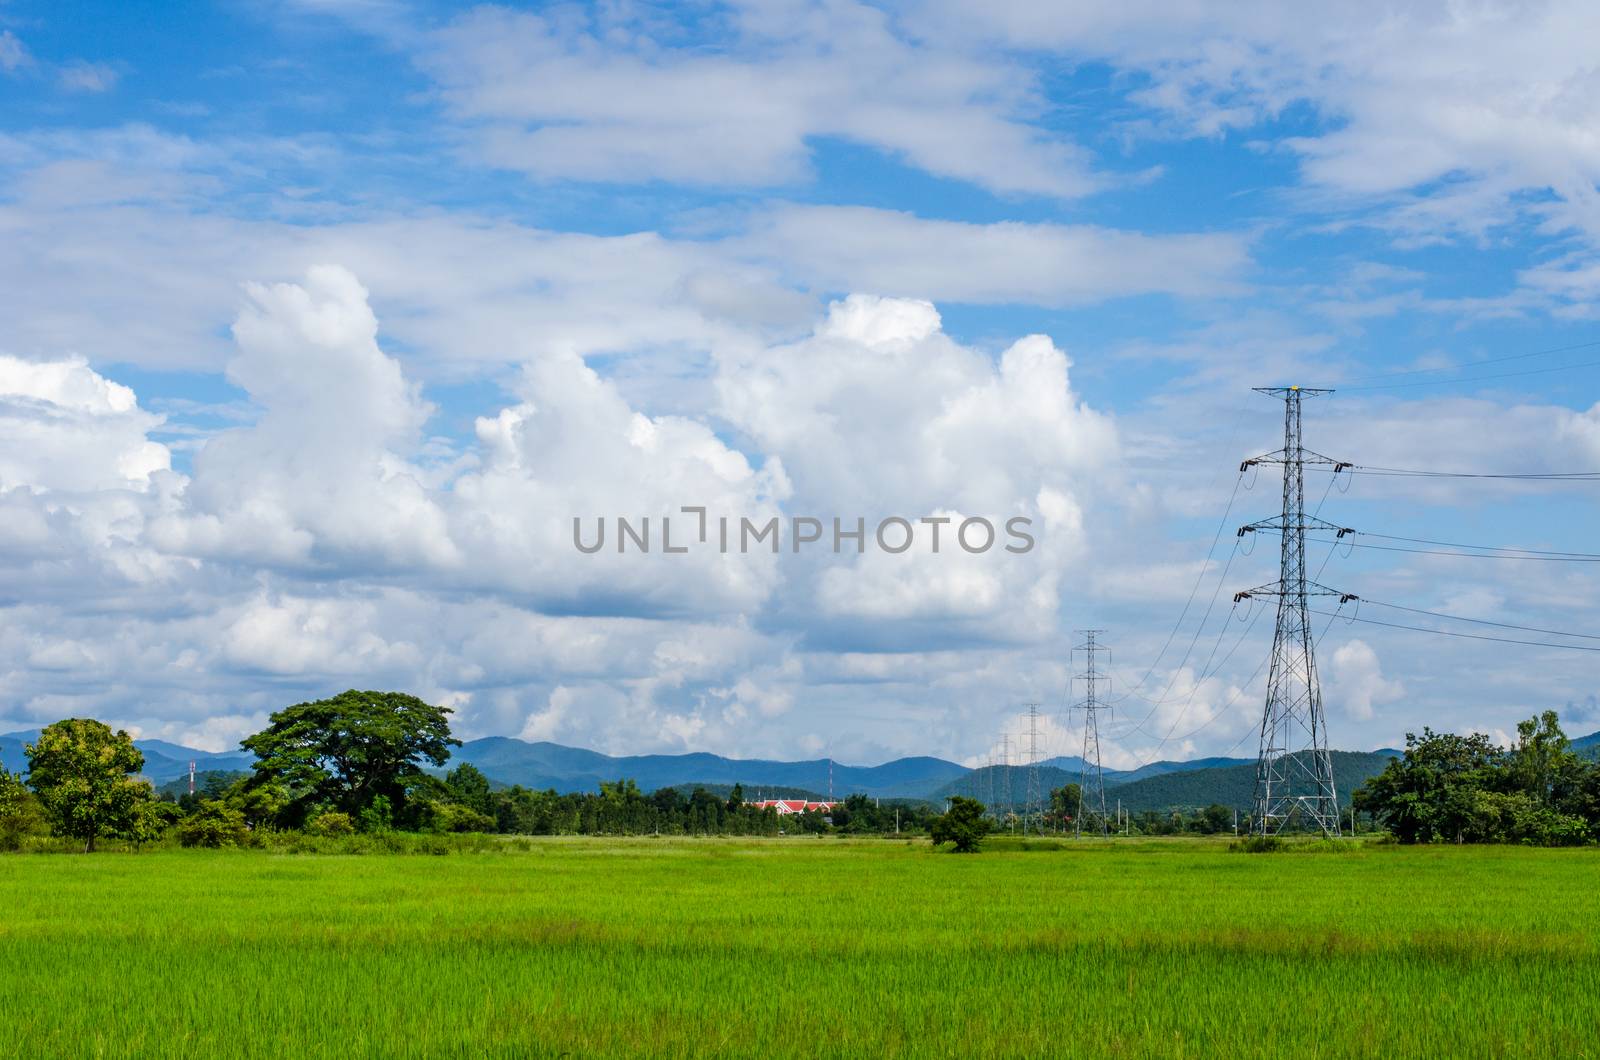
x=785 y=807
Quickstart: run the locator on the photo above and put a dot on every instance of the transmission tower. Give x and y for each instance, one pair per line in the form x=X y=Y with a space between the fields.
x=1090 y=769
x=1034 y=809
x=1005 y=772
x=1294 y=770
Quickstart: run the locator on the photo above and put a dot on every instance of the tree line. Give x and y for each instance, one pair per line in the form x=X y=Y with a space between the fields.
x=1465 y=789
x=358 y=763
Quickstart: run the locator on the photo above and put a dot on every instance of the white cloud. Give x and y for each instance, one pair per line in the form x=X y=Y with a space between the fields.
x=13 y=53
x=88 y=77
x=609 y=97
x=1357 y=685
x=890 y=252
x=323 y=475
x=64 y=427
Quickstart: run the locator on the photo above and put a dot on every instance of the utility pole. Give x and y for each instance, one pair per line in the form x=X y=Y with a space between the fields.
x=1034 y=810
x=1091 y=677
x=1293 y=768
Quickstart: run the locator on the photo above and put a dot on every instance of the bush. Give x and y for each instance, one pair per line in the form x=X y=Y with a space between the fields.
x=331 y=823
x=21 y=816
x=1258 y=844
x=214 y=824
x=454 y=817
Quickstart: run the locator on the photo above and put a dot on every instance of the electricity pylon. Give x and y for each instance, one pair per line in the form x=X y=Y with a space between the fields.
x=1005 y=774
x=1091 y=677
x=1034 y=810
x=1293 y=770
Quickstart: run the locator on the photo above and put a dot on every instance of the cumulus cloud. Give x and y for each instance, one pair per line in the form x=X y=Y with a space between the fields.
x=1357 y=685
x=323 y=474
x=879 y=414
x=64 y=427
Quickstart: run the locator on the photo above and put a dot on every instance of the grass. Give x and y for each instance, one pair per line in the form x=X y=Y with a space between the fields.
x=804 y=948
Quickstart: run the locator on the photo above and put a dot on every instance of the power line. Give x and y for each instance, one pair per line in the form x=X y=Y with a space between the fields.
x=1464 y=636
x=1480 y=621
x=1483 y=548
x=1483 y=551
x=1222 y=525
x=1476 y=378
x=1406 y=472
x=1532 y=558
x=1477 y=364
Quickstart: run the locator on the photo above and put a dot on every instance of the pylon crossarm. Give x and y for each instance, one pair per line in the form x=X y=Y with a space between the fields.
x=1280 y=458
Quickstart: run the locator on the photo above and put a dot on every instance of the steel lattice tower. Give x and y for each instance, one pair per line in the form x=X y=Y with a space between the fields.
x=1091 y=677
x=1294 y=770
x=1034 y=809
x=1005 y=774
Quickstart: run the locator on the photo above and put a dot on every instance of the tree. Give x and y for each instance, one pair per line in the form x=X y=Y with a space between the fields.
x=347 y=752
x=467 y=786
x=151 y=819
x=962 y=824
x=19 y=812
x=1065 y=802
x=214 y=824
x=82 y=773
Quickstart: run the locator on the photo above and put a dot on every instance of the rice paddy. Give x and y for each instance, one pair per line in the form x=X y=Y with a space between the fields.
x=803 y=948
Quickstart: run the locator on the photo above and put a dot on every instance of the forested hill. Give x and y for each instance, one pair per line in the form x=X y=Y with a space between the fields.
x=1234 y=786
x=548 y=765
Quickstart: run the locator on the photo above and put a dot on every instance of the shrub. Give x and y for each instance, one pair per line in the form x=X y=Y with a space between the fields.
x=214 y=824
x=1258 y=844
x=454 y=817
x=331 y=823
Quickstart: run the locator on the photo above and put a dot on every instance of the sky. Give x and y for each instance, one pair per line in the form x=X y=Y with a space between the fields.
x=322 y=320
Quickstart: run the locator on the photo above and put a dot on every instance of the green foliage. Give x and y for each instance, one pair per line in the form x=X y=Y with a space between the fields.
x=376 y=816
x=467 y=786
x=20 y=813
x=1464 y=789
x=454 y=817
x=214 y=824
x=152 y=819
x=81 y=771
x=331 y=823
x=348 y=752
x=962 y=824
x=1258 y=844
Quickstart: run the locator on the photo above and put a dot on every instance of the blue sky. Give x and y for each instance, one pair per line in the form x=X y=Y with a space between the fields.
x=321 y=320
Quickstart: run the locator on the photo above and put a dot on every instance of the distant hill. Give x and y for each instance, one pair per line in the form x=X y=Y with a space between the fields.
x=1234 y=785
x=991 y=784
x=506 y=761
x=548 y=765
x=163 y=761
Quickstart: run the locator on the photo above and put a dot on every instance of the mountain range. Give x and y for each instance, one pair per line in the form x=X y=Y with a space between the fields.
x=1154 y=786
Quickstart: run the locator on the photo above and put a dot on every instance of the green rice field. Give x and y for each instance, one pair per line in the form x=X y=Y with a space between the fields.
x=804 y=948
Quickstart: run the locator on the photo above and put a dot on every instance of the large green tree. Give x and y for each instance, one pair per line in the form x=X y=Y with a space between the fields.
x=347 y=752
x=83 y=775
x=961 y=824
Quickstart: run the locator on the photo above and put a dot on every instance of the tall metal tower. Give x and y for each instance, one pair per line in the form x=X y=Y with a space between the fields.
x=1091 y=676
x=1294 y=770
x=1033 y=811
x=1005 y=771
